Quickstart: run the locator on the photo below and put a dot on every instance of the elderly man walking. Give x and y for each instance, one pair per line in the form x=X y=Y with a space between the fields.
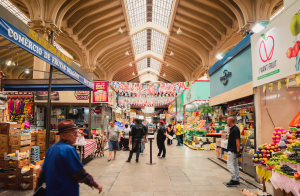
x=114 y=137
x=62 y=169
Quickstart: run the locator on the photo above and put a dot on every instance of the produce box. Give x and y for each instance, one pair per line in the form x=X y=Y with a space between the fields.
x=17 y=164
x=33 y=143
x=2 y=177
x=19 y=140
x=12 y=175
x=4 y=128
x=15 y=126
x=3 y=149
x=41 y=136
x=4 y=140
x=41 y=145
x=13 y=149
x=27 y=184
x=33 y=136
x=52 y=136
x=11 y=184
x=2 y=163
x=29 y=178
x=42 y=154
x=31 y=172
x=14 y=131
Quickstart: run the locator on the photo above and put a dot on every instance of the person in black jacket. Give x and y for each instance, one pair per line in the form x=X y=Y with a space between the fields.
x=161 y=137
x=137 y=136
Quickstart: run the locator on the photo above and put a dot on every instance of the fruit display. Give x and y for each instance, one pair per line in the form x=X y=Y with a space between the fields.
x=264 y=153
x=278 y=131
x=288 y=170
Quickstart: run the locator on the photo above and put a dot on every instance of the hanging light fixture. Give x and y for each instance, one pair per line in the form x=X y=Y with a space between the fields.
x=126 y=53
x=27 y=71
x=120 y=30
x=130 y=65
x=171 y=53
x=8 y=63
x=179 y=32
x=164 y=75
x=133 y=73
x=167 y=65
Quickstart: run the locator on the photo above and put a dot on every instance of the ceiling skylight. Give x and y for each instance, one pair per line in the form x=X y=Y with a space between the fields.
x=156 y=11
x=13 y=9
x=140 y=42
x=142 y=64
x=148 y=63
x=157 y=42
x=161 y=12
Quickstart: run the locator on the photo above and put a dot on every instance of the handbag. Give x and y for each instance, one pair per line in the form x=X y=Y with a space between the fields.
x=169 y=137
x=40 y=192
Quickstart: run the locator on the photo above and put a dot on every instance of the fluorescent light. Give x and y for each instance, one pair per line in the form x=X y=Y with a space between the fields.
x=27 y=71
x=133 y=73
x=164 y=75
x=219 y=56
x=130 y=65
x=257 y=28
x=8 y=62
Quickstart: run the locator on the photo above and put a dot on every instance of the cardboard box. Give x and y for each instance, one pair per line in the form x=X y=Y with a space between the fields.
x=41 y=136
x=13 y=149
x=17 y=164
x=19 y=140
x=32 y=184
x=4 y=140
x=41 y=145
x=33 y=143
x=33 y=136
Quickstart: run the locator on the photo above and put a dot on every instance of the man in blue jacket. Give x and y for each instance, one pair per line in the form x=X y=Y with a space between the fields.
x=62 y=169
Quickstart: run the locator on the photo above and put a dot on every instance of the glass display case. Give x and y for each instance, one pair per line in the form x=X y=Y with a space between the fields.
x=247 y=155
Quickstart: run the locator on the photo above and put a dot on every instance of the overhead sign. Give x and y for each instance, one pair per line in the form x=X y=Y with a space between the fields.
x=224 y=78
x=101 y=92
x=82 y=95
x=275 y=51
x=162 y=116
x=39 y=47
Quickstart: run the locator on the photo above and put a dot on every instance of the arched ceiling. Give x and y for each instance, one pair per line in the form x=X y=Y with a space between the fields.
x=87 y=29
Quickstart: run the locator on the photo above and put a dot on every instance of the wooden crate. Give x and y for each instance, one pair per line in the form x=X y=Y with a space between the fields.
x=3 y=149
x=32 y=184
x=41 y=145
x=4 y=128
x=15 y=126
x=13 y=149
x=2 y=163
x=2 y=177
x=33 y=143
x=14 y=131
x=19 y=140
x=42 y=154
x=11 y=184
x=16 y=164
x=41 y=136
x=8 y=128
x=4 y=140
x=33 y=136
x=52 y=136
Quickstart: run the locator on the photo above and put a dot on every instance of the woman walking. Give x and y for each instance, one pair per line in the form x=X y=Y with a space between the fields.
x=170 y=132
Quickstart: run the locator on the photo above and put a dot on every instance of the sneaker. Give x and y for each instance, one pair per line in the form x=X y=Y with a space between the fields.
x=127 y=161
x=158 y=155
x=142 y=153
x=162 y=157
x=137 y=160
x=232 y=182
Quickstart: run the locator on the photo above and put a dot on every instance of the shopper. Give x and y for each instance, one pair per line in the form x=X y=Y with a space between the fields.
x=114 y=138
x=145 y=134
x=137 y=136
x=85 y=131
x=62 y=169
x=181 y=133
x=178 y=134
x=233 y=151
x=170 y=132
x=161 y=137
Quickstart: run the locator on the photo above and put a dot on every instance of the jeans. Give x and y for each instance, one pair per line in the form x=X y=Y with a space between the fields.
x=143 y=147
x=233 y=166
x=181 y=139
x=136 y=145
x=178 y=140
x=161 y=147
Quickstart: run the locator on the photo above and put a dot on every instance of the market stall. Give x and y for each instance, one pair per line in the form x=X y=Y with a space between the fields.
x=231 y=94
x=276 y=82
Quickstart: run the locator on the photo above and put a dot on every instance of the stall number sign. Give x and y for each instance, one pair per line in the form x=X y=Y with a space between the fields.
x=81 y=95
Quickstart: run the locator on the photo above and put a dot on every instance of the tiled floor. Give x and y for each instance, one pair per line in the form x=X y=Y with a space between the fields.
x=183 y=172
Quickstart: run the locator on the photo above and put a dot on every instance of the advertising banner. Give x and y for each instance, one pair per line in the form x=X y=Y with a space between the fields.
x=111 y=97
x=43 y=95
x=100 y=92
x=40 y=48
x=179 y=106
x=172 y=108
x=275 y=50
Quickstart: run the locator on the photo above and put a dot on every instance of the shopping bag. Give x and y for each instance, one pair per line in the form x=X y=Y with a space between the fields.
x=169 y=137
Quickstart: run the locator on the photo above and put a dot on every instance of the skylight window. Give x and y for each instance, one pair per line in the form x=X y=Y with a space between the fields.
x=137 y=12
x=142 y=64
x=157 y=42
x=140 y=42
x=148 y=63
x=161 y=12
x=278 y=12
x=13 y=9
x=156 y=11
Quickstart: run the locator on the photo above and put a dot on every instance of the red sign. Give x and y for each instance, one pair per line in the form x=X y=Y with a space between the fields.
x=98 y=110
x=100 y=92
x=82 y=97
x=264 y=55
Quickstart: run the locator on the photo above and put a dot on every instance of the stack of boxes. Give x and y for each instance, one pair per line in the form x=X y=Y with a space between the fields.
x=13 y=163
x=40 y=141
x=27 y=180
x=35 y=154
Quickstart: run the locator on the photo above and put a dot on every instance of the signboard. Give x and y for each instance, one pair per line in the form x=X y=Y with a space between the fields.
x=179 y=104
x=100 y=92
x=132 y=114
x=200 y=90
x=82 y=95
x=162 y=116
x=32 y=42
x=149 y=110
x=275 y=51
x=172 y=108
x=43 y=95
x=111 y=96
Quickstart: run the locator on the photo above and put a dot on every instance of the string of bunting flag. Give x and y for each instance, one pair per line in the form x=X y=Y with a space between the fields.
x=145 y=101
x=155 y=90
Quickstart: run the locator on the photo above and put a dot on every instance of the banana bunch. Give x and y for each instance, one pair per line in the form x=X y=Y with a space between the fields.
x=278 y=167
